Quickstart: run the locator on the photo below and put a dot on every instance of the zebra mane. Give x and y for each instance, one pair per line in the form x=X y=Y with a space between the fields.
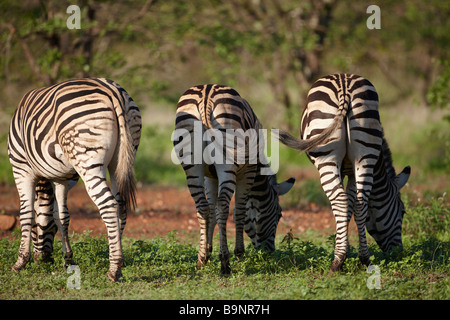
x=387 y=159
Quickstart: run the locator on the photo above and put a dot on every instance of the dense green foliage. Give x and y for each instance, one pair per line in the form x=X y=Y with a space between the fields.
x=157 y=49
x=270 y=51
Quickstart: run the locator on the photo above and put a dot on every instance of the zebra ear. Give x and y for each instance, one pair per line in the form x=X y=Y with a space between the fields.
x=403 y=177
x=284 y=187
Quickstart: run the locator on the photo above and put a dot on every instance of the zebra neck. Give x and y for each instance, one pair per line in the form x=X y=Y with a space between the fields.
x=383 y=188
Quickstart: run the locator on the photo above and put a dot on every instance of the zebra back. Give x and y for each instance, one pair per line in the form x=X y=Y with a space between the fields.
x=223 y=113
x=53 y=115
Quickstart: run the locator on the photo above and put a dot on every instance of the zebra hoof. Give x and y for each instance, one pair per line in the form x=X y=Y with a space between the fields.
x=68 y=260
x=239 y=254
x=68 y=263
x=337 y=265
x=114 y=274
x=202 y=262
x=225 y=269
x=19 y=265
x=43 y=257
x=365 y=260
x=22 y=261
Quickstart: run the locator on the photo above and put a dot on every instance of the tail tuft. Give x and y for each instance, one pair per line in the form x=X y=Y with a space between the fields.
x=124 y=171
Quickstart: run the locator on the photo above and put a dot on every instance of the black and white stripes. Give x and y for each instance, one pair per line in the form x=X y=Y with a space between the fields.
x=342 y=136
x=74 y=128
x=213 y=180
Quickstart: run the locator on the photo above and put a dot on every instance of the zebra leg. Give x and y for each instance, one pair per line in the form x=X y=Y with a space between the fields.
x=26 y=189
x=227 y=185
x=203 y=219
x=339 y=208
x=243 y=187
x=351 y=196
x=332 y=185
x=44 y=230
x=363 y=180
x=194 y=177
x=100 y=193
x=361 y=212
x=211 y=193
x=122 y=209
x=364 y=151
x=62 y=218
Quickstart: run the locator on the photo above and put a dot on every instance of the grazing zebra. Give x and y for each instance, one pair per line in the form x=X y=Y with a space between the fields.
x=257 y=210
x=77 y=128
x=343 y=136
x=44 y=227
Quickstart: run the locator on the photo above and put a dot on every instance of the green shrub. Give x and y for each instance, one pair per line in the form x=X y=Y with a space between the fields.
x=428 y=219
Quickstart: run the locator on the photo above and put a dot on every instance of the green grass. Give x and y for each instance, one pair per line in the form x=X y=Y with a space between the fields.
x=164 y=268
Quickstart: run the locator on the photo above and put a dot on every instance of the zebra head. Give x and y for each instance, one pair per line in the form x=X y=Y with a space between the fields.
x=384 y=222
x=264 y=210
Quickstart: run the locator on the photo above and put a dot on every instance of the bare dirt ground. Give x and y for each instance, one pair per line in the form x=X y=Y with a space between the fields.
x=160 y=210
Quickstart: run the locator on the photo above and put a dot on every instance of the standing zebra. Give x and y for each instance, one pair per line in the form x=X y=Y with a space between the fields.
x=343 y=136
x=44 y=227
x=257 y=210
x=74 y=128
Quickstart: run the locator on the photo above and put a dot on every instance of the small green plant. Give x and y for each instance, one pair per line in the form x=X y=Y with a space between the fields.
x=428 y=219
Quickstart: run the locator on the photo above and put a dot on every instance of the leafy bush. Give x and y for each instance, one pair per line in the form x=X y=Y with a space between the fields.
x=428 y=219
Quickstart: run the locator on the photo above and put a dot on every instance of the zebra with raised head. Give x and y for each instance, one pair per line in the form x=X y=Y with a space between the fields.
x=77 y=128
x=212 y=182
x=342 y=136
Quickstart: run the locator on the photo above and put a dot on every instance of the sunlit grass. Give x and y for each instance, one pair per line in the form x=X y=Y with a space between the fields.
x=164 y=268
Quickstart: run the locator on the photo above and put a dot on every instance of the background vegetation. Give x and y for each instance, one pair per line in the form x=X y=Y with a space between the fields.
x=271 y=52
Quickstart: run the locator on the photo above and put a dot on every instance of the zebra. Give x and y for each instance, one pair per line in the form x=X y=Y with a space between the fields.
x=76 y=128
x=212 y=184
x=342 y=136
x=44 y=227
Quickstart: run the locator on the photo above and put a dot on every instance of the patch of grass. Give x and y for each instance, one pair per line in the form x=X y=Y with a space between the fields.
x=164 y=268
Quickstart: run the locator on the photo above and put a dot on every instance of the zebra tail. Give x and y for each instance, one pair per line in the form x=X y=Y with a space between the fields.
x=308 y=144
x=124 y=171
x=207 y=115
